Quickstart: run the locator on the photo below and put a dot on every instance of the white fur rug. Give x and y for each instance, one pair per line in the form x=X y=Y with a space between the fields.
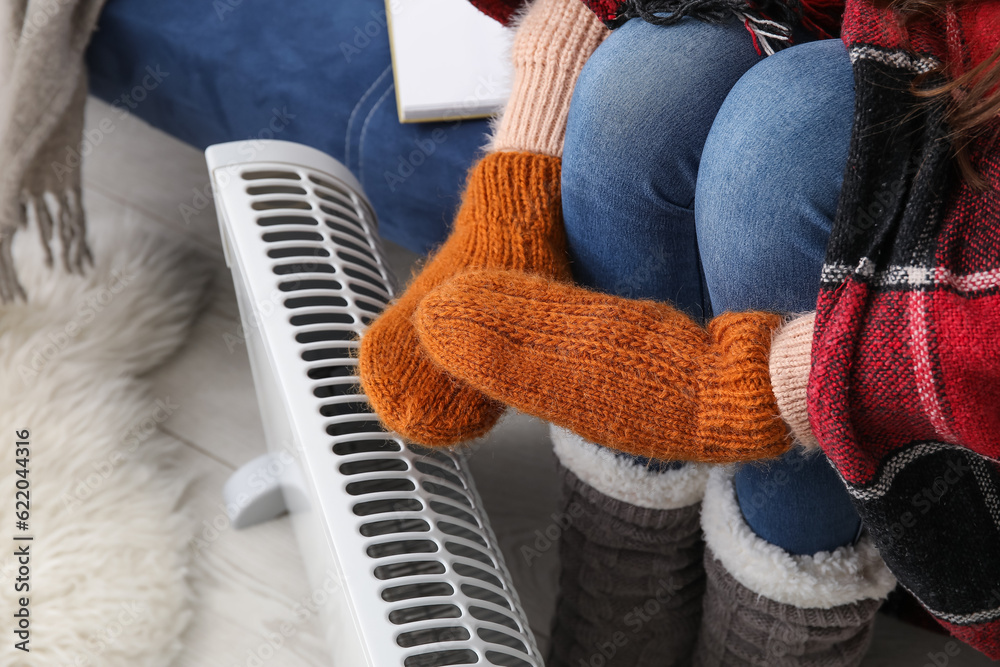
x=108 y=560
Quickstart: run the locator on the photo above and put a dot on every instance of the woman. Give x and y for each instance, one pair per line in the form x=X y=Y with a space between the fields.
x=738 y=224
x=662 y=202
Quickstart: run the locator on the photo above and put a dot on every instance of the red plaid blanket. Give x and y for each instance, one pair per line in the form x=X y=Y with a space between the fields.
x=904 y=393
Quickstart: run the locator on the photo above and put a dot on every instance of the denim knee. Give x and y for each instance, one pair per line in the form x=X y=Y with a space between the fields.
x=770 y=178
x=767 y=192
x=645 y=101
x=640 y=113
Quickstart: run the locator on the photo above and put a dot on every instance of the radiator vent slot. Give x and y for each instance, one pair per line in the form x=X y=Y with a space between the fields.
x=433 y=636
x=257 y=175
x=275 y=237
x=430 y=612
x=365 y=447
x=275 y=190
x=272 y=220
x=490 y=616
x=505 y=660
x=297 y=251
x=268 y=204
x=402 y=547
x=378 y=528
x=442 y=659
x=305 y=267
x=409 y=569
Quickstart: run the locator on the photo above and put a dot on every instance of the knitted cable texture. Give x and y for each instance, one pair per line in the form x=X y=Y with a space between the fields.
x=511 y=217
x=637 y=376
x=553 y=41
x=741 y=627
x=616 y=557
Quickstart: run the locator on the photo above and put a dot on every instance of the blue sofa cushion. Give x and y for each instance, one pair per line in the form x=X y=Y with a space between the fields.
x=314 y=71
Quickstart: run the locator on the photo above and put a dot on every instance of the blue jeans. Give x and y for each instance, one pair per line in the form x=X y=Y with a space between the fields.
x=697 y=173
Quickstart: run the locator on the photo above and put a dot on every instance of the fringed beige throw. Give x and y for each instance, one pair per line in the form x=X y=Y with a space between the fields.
x=43 y=87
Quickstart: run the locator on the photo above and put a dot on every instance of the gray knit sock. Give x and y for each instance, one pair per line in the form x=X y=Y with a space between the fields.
x=631 y=584
x=764 y=606
x=740 y=627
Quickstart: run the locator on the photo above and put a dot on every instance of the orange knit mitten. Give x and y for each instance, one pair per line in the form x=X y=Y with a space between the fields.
x=510 y=218
x=637 y=376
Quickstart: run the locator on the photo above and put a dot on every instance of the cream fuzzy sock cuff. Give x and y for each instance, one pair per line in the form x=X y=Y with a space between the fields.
x=823 y=580
x=621 y=479
x=791 y=357
x=554 y=39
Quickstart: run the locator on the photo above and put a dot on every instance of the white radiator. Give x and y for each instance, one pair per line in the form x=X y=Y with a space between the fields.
x=396 y=531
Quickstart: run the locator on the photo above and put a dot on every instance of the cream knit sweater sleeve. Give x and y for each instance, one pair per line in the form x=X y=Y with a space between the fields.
x=553 y=40
x=791 y=355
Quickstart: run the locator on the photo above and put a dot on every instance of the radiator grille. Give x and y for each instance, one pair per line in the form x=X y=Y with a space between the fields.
x=419 y=533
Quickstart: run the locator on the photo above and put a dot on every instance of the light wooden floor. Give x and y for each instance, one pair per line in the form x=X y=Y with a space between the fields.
x=249 y=583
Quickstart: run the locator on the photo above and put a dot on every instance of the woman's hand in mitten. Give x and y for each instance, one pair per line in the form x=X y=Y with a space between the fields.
x=637 y=376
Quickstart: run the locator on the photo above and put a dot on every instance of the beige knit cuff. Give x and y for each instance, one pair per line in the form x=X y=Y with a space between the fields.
x=554 y=39
x=791 y=355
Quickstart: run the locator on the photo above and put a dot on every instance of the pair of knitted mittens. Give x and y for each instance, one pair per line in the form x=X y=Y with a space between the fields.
x=638 y=376
x=492 y=320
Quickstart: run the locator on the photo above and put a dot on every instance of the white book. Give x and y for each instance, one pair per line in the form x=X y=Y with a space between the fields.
x=449 y=60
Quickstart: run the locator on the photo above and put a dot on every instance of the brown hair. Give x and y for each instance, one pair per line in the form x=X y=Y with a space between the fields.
x=973 y=97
